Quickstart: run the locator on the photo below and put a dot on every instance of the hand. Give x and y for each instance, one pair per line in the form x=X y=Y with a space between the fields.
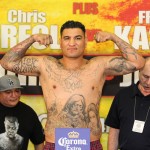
x=102 y=36
x=43 y=39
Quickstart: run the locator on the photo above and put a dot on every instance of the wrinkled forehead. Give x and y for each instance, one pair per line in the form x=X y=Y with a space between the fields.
x=146 y=69
x=11 y=124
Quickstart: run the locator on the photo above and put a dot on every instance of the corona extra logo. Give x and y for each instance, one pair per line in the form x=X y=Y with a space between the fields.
x=73 y=134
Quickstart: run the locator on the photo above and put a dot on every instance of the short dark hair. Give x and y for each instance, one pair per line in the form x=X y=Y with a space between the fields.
x=72 y=24
x=11 y=119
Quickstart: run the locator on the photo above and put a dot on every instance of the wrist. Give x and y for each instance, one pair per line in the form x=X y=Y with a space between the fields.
x=113 y=37
x=32 y=38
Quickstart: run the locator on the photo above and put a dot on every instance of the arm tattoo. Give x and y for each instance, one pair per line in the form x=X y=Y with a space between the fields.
x=26 y=65
x=125 y=52
x=22 y=47
x=11 y=56
x=119 y=65
x=17 y=52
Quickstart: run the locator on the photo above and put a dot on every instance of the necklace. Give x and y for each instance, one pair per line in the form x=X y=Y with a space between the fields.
x=146 y=113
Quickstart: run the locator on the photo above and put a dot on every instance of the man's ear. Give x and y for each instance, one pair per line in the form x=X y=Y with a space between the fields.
x=86 y=40
x=60 y=41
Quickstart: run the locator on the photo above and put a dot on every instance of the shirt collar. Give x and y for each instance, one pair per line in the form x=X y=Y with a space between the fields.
x=137 y=92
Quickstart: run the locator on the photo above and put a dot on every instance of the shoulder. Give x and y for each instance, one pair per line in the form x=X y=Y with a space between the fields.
x=124 y=93
x=29 y=113
x=49 y=58
x=44 y=58
x=26 y=107
x=127 y=89
x=98 y=58
x=98 y=61
x=19 y=138
x=2 y=135
x=104 y=60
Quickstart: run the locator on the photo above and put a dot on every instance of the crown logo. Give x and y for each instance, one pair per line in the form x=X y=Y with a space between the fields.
x=73 y=134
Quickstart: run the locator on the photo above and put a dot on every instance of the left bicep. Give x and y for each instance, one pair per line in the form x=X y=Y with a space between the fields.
x=118 y=66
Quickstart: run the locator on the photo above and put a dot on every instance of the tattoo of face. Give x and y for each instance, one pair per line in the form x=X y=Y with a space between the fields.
x=93 y=119
x=73 y=114
x=119 y=64
x=26 y=65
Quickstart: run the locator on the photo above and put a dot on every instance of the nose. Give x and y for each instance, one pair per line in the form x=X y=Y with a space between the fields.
x=72 y=42
x=148 y=81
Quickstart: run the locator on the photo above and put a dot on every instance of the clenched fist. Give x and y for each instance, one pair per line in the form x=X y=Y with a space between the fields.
x=102 y=36
x=43 y=39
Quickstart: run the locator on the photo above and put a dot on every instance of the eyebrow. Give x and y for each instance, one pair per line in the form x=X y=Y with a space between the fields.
x=146 y=75
x=74 y=36
x=13 y=89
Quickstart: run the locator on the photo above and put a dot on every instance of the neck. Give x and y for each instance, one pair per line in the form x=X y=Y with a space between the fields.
x=73 y=64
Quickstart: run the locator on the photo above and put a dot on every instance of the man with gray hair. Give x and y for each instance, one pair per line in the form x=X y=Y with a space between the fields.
x=129 y=115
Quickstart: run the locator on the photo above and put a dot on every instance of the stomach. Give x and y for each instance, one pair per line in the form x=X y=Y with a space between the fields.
x=68 y=120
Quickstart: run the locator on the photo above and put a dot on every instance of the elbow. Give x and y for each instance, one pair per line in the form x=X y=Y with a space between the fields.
x=140 y=64
x=5 y=64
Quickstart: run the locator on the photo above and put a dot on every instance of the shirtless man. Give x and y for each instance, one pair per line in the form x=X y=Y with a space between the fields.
x=72 y=74
x=10 y=140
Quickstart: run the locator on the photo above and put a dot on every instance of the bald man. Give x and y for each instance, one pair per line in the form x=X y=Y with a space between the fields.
x=129 y=115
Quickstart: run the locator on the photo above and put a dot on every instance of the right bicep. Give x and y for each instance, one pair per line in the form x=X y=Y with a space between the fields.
x=28 y=65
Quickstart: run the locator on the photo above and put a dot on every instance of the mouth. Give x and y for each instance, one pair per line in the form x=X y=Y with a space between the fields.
x=72 y=48
x=147 y=88
x=13 y=100
x=11 y=134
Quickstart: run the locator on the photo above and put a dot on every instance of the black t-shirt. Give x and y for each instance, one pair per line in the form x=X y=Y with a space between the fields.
x=27 y=126
x=121 y=116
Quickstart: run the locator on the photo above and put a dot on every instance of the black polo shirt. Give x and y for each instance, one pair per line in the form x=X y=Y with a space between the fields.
x=121 y=116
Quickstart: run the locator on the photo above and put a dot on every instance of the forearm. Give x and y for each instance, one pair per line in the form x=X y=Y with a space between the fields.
x=130 y=60
x=17 y=52
x=128 y=52
x=113 y=139
x=39 y=147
